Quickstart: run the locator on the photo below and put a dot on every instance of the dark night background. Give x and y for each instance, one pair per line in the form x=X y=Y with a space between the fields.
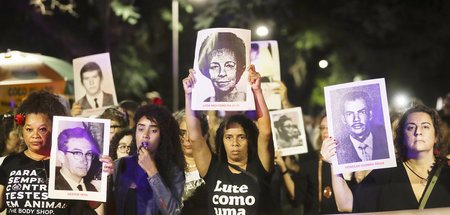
x=405 y=41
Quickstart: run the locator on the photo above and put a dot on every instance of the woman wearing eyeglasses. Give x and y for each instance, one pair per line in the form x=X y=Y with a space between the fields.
x=24 y=176
x=121 y=144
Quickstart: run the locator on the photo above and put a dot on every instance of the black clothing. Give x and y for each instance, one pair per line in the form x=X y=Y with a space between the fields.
x=307 y=186
x=390 y=189
x=26 y=189
x=238 y=193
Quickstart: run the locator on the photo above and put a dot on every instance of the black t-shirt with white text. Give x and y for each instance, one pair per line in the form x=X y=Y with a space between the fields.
x=25 y=184
x=230 y=193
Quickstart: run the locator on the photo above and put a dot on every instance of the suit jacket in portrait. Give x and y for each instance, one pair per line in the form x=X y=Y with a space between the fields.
x=346 y=152
x=107 y=101
x=62 y=184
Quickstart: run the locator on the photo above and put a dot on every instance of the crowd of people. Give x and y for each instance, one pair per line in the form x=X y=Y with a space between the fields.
x=194 y=162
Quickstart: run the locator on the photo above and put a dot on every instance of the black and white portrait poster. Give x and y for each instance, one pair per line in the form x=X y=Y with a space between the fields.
x=94 y=83
x=264 y=55
x=75 y=169
x=288 y=131
x=358 y=118
x=221 y=59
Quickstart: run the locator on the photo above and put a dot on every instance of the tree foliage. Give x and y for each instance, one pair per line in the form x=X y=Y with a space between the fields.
x=405 y=42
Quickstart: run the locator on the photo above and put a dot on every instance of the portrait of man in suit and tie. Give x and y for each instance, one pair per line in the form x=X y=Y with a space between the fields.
x=78 y=154
x=361 y=139
x=91 y=79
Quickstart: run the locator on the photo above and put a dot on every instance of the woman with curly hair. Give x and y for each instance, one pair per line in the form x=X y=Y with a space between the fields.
x=121 y=144
x=34 y=121
x=420 y=180
x=152 y=180
x=237 y=177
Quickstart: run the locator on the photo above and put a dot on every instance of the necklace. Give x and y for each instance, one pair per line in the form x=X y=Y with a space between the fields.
x=423 y=180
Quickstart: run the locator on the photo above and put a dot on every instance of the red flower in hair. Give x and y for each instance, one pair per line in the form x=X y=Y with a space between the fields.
x=20 y=119
x=436 y=152
x=157 y=100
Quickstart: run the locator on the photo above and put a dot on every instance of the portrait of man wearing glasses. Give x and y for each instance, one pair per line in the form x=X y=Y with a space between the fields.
x=77 y=151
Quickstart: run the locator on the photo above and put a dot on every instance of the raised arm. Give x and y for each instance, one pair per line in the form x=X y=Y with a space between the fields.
x=342 y=193
x=288 y=182
x=202 y=154
x=263 y=121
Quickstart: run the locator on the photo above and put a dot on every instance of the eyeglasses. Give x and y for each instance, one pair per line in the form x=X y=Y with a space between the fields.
x=79 y=155
x=114 y=127
x=124 y=148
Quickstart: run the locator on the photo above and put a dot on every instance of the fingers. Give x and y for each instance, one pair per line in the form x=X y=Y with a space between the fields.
x=189 y=81
x=278 y=154
x=108 y=164
x=252 y=74
x=328 y=149
x=76 y=109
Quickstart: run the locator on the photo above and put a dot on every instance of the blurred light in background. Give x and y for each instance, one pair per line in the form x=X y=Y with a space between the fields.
x=358 y=78
x=401 y=101
x=323 y=64
x=262 y=31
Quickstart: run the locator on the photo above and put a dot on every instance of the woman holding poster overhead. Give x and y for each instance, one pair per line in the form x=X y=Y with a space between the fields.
x=237 y=177
x=222 y=60
x=24 y=176
x=420 y=180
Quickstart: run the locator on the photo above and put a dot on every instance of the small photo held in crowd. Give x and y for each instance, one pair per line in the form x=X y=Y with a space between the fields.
x=264 y=55
x=288 y=131
x=358 y=118
x=75 y=169
x=221 y=59
x=94 y=83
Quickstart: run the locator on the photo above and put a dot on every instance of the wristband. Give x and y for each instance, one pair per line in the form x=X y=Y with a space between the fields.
x=284 y=173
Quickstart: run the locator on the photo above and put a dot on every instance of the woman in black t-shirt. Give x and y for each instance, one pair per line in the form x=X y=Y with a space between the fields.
x=24 y=176
x=238 y=176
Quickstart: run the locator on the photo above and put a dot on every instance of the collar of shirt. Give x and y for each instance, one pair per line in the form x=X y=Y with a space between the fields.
x=368 y=141
x=99 y=99
x=73 y=184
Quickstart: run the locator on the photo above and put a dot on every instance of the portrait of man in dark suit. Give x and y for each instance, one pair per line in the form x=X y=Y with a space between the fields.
x=77 y=151
x=361 y=140
x=91 y=79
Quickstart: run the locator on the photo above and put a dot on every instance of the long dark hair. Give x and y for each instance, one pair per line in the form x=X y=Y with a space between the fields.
x=251 y=132
x=399 y=133
x=169 y=152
